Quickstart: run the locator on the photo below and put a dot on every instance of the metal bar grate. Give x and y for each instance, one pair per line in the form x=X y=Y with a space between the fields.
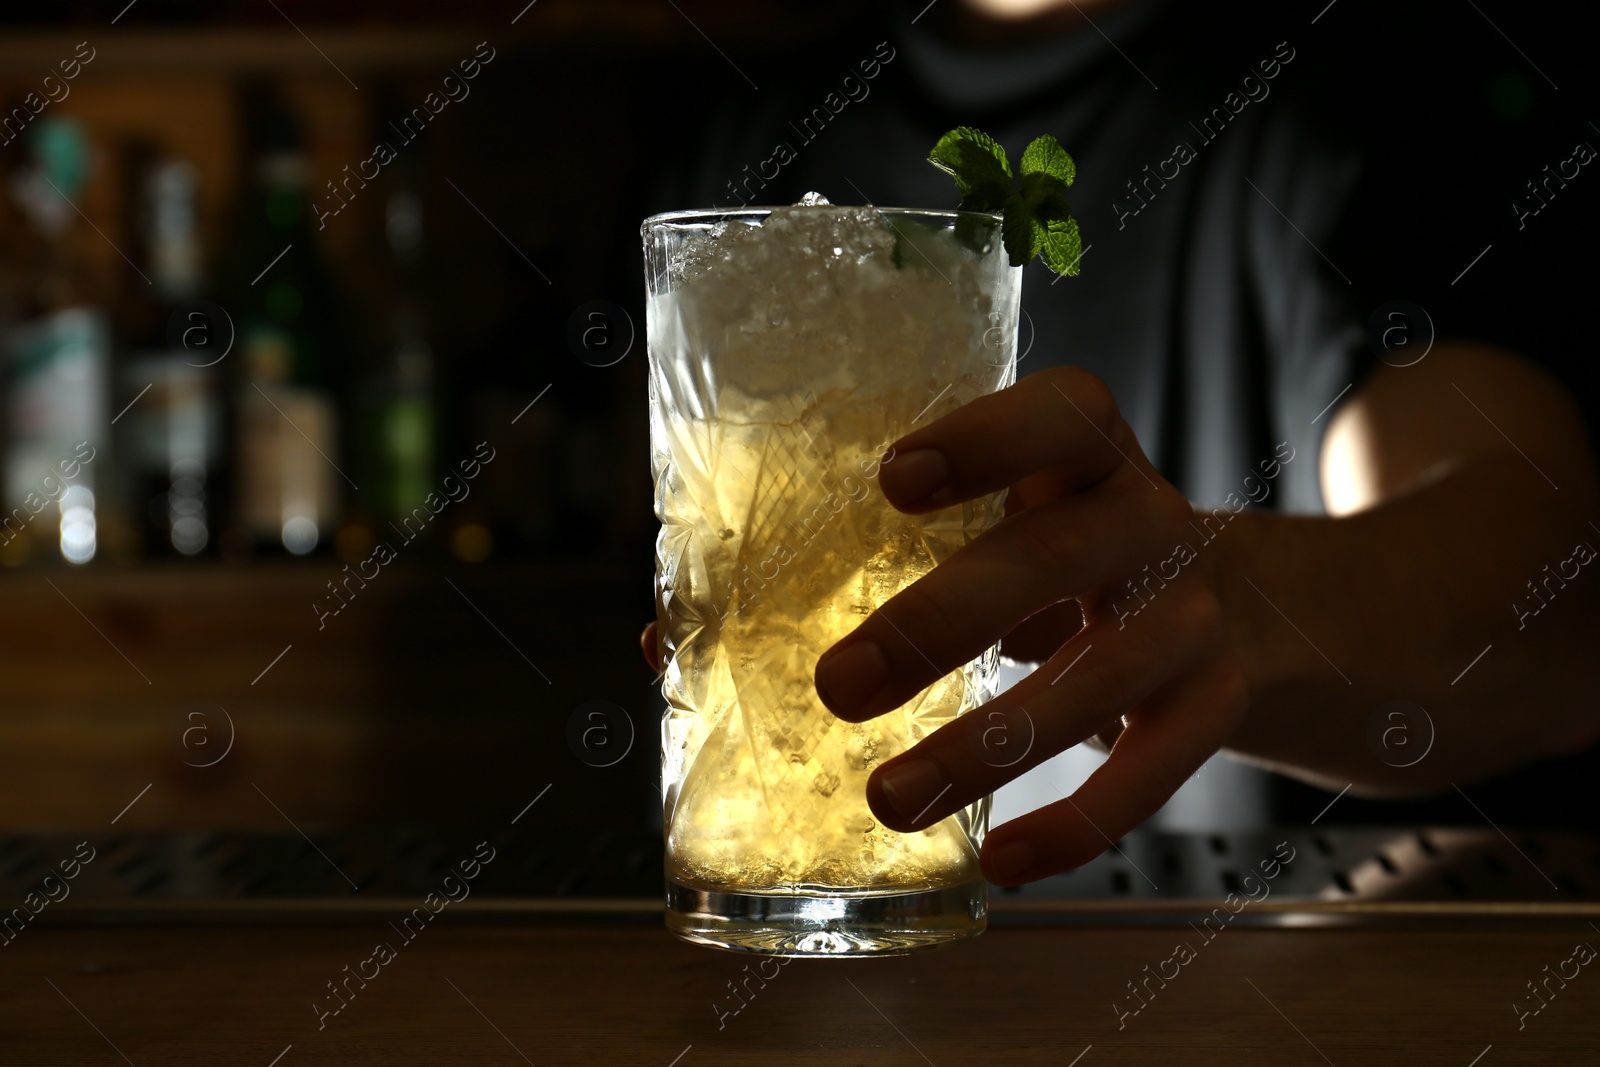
x=181 y=868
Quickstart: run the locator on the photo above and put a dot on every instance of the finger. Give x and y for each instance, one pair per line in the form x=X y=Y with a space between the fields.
x=1098 y=675
x=963 y=606
x=1041 y=635
x=1063 y=419
x=1164 y=743
x=1104 y=739
x=1039 y=488
x=650 y=648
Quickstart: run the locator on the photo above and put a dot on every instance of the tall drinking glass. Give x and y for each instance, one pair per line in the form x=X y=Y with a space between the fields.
x=789 y=347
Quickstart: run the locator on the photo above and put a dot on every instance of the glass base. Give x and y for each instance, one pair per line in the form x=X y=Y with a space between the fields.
x=831 y=924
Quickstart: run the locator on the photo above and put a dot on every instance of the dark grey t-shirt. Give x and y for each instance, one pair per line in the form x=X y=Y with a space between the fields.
x=1203 y=194
x=1258 y=182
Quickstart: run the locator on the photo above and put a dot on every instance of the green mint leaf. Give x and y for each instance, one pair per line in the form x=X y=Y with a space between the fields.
x=1046 y=156
x=985 y=199
x=1062 y=247
x=979 y=166
x=1046 y=197
x=907 y=235
x=1036 y=216
x=1017 y=230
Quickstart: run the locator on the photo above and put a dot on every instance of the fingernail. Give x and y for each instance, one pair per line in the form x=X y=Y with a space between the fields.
x=1010 y=863
x=912 y=786
x=847 y=678
x=913 y=476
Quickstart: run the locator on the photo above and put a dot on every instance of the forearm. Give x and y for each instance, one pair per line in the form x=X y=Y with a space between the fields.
x=1334 y=618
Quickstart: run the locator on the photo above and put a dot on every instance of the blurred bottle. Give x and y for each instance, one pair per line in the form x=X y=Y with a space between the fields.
x=398 y=418
x=287 y=482
x=511 y=400
x=57 y=357
x=170 y=434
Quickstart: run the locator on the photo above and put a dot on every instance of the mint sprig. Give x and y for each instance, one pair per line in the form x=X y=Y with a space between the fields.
x=1036 y=217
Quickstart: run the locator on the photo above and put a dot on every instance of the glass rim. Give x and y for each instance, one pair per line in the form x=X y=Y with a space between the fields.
x=714 y=215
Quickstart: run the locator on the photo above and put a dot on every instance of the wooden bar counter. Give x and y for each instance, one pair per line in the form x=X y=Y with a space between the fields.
x=598 y=989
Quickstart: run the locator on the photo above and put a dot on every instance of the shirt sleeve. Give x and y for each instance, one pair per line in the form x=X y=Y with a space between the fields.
x=1298 y=195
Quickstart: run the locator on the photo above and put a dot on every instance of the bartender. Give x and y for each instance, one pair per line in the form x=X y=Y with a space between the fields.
x=1359 y=478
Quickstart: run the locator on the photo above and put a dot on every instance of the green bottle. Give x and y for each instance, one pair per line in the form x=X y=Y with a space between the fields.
x=289 y=474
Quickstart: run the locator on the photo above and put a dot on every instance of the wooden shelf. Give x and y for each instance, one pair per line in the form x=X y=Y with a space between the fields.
x=617 y=25
x=241 y=49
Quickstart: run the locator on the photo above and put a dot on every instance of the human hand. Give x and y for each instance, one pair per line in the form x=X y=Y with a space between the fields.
x=1086 y=515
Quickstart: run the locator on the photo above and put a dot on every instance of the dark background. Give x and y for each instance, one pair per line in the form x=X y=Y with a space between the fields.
x=446 y=691
x=420 y=702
